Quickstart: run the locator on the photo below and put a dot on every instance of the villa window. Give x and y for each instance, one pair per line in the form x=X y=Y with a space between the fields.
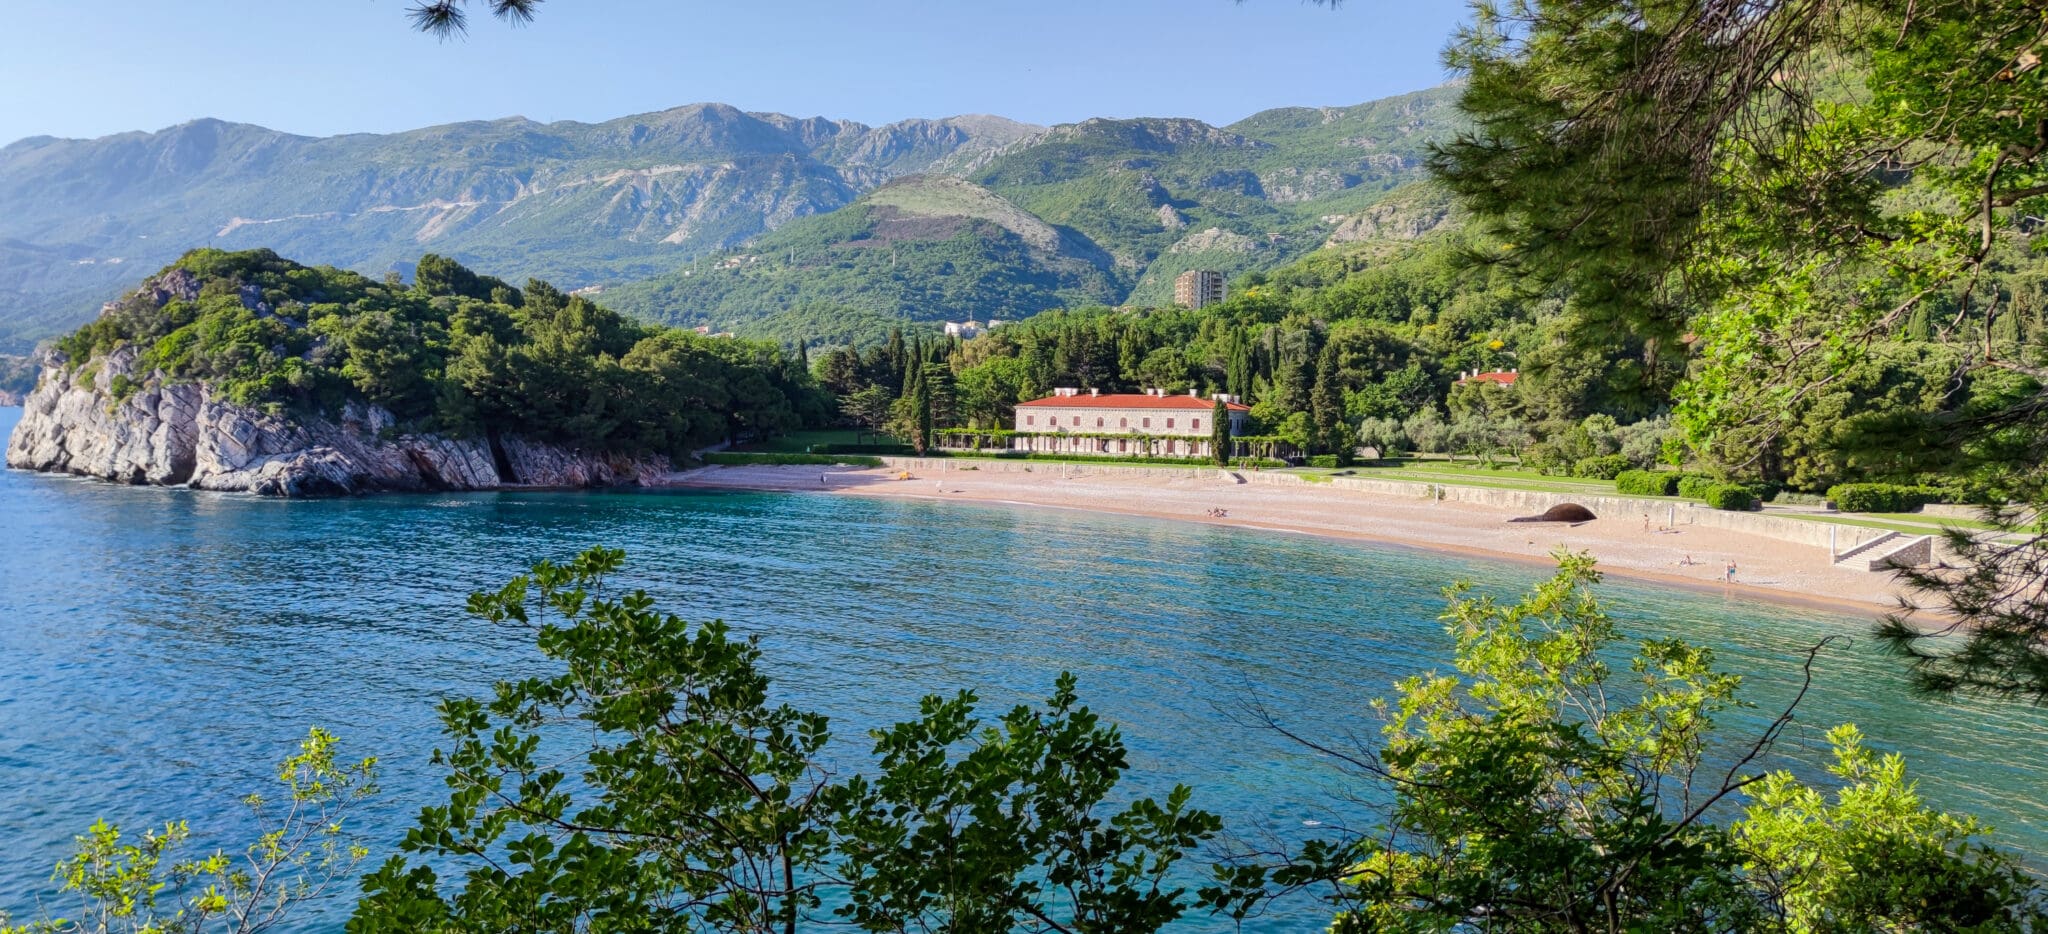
x=1030 y=419
x=1146 y=423
x=1194 y=424
x=1077 y=421
x=1169 y=423
x=1098 y=423
x=1123 y=423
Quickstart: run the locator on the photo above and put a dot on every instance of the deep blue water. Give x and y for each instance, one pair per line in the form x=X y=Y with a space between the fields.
x=163 y=648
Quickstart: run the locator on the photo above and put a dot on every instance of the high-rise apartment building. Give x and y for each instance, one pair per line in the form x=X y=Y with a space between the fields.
x=1198 y=288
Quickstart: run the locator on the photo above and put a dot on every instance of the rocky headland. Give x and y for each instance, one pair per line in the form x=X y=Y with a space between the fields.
x=169 y=433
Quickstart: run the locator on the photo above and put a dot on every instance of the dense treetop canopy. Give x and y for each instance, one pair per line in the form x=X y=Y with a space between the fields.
x=454 y=352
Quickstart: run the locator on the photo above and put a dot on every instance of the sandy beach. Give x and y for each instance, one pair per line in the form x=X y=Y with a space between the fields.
x=1766 y=568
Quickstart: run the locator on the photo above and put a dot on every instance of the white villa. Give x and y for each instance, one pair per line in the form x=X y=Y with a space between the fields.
x=1155 y=423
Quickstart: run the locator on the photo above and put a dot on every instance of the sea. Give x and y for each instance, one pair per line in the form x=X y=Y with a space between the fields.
x=162 y=649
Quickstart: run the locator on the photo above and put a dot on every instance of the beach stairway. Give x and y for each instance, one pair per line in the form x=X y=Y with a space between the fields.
x=1888 y=551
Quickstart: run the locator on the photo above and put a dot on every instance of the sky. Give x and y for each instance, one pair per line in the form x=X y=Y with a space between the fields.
x=322 y=67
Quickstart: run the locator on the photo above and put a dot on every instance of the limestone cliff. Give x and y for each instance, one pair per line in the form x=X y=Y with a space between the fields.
x=169 y=433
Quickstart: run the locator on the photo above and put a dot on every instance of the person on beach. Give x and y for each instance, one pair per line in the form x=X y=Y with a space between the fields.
x=1731 y=573
x=1646 y=522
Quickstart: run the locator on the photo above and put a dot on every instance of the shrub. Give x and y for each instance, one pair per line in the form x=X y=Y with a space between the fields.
x=889 y=449
x=1695 y=486
x=1798 y=499
x=1879 y=497
x=1646 y=482
x=1602 y=467
x=1731 y=496
x=737 y=458
x=1323 y=460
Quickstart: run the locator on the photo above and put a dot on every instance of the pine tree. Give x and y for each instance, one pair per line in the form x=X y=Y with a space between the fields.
x=938 y=380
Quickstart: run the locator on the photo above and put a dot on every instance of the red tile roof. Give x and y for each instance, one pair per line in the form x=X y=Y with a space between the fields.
x=1131 y=400
x=1505 y=379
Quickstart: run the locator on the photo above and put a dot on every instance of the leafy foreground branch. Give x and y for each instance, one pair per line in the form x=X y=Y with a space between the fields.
x=1535 y=791
x=649 y=784
x=701 y=805
x=306 y=851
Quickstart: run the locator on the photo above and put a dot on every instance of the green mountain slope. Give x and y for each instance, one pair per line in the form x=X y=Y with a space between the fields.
x=733 y=219
x=571 y=202
x=922 y=248
x=1100 y=212
x=1166 y=196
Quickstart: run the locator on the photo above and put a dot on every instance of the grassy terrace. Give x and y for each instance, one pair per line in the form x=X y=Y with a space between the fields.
x=796 y=442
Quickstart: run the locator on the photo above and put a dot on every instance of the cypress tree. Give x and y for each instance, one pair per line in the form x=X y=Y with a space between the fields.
x=1326 y=407
x=1238 y=373
x=912 y=370
x=894 y=356
x=1219 y=433
x=921 y=405
x=1917 y=326
x=2006 y=327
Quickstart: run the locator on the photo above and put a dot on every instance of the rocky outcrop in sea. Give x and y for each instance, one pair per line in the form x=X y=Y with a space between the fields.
x=169 y=433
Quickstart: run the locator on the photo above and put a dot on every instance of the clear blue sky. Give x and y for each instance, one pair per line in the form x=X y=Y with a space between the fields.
x=318 y=67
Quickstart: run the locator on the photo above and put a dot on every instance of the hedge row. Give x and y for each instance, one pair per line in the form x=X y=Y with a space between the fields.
x=1800 y=499
x=1720 y=494
x=1695 y=486
x=889 y=449
x=738 y=458
x=1646 y=482
x=1604 y=467
x=1730 y=496
x=1880 y=497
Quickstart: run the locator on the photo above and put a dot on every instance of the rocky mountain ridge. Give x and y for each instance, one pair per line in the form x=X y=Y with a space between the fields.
x=571 y=202
x=640 y=197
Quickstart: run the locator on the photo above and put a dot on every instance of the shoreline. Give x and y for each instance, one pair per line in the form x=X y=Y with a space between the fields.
x=1795 y=575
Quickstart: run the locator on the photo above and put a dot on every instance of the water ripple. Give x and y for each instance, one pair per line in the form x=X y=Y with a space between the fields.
x=164 y=647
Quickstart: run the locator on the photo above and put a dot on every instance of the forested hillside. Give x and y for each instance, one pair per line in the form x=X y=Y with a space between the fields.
x=917 y=249
x=1364 y=345
x=456 y=353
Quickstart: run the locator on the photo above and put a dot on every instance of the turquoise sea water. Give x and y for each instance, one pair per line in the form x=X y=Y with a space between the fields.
x=163 y=648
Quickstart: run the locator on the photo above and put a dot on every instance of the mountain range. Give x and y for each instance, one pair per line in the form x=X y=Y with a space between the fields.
x=706 y=214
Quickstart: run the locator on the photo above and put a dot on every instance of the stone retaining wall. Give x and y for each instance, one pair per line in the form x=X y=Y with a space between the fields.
x=1523 y=502
x=1677 y=513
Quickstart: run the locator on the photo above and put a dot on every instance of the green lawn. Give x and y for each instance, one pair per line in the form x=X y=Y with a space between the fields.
x=1911 y=523
x=797 y=441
